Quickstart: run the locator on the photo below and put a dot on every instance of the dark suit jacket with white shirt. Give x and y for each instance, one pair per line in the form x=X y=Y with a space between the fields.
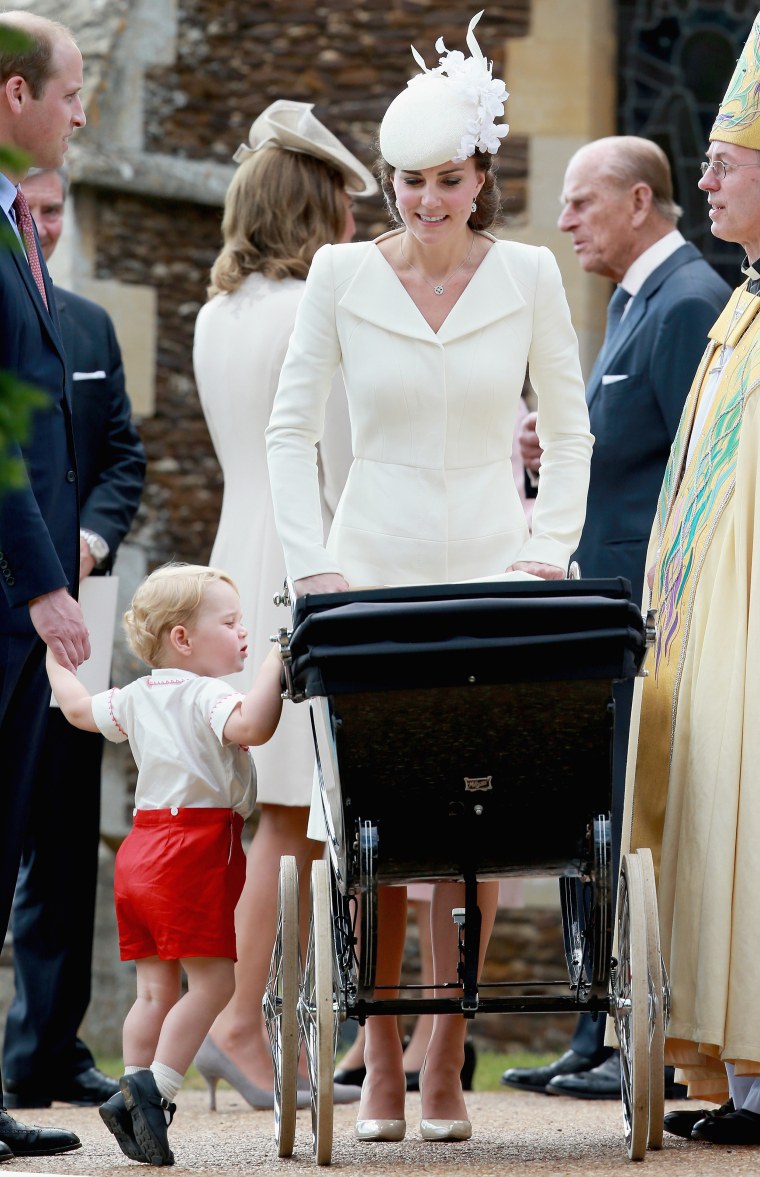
x=39 y=521
x=110 y=455
x=635 y=400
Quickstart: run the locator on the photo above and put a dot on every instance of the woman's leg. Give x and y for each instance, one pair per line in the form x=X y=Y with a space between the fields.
x=414 y=1054
x=384 y=1088
x=158 y=990
x=354 y=1056
x=239 y=1030
x=442 y=1096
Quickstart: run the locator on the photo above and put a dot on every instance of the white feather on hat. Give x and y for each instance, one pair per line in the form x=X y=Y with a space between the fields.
x=446 y=113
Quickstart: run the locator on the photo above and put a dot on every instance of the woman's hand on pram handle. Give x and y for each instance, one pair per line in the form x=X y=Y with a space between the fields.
x=544 y=571
x=321 y=582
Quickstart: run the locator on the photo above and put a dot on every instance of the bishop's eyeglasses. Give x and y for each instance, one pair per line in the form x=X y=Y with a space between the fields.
x=721 y=168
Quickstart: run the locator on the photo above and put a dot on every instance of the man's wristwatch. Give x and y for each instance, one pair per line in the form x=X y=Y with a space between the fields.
x=99 y=549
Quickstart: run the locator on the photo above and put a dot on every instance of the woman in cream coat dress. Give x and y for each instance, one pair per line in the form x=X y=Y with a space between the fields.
x=289 y=196
x=433 y=326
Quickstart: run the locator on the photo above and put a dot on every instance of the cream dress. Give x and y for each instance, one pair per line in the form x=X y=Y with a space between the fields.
x=431 y=495
x=239 y=348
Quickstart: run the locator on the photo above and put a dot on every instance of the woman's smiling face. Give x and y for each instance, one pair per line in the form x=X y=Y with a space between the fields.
x=436 y=201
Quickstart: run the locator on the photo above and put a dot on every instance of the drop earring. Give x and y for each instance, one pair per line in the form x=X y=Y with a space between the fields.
x=474 y=206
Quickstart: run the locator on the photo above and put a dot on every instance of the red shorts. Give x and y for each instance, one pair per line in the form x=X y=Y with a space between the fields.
x=177 y=880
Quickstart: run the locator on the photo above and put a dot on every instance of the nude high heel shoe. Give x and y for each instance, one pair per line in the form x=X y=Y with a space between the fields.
x=214 y=1065
x=443 y=1129
x=378 y=1130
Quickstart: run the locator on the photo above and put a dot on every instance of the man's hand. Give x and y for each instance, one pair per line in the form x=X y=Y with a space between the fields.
x=58 y=620
x=321 y=582
x=530 y=448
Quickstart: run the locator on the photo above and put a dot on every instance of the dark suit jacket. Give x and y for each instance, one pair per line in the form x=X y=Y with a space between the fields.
x=39 y=522
x=656 y=351
x=110 y=455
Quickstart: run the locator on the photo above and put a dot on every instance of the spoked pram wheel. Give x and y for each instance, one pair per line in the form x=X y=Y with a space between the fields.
x=316 y=1013
x=280 y=1008
x=657 y=1002
x=630 y=1005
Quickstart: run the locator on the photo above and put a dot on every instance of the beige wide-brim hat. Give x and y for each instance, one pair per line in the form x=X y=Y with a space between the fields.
x=292 y=126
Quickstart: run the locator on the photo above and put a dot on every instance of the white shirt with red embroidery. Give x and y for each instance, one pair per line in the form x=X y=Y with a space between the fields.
x=174 y=722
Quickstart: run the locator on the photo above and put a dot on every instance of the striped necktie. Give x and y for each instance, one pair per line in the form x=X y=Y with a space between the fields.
x=26 y=228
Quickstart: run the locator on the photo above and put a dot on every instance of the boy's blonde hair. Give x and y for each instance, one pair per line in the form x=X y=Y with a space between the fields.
x=171 y=595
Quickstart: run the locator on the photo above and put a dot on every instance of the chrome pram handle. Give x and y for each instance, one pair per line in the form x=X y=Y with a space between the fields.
x=287 y=596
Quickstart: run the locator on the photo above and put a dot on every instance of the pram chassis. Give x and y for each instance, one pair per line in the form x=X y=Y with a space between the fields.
x=339 y=969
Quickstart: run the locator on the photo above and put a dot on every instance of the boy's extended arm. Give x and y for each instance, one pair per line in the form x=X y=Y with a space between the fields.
x=73 y=699
x=255 y=720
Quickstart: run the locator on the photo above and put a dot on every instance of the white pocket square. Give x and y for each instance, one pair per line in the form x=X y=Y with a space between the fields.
x=612 y=379
x=99 y=375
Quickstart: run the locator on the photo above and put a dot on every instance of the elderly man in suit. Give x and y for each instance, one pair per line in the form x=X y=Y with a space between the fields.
x=617 y=204
x=43 y=1058
x=40 y=108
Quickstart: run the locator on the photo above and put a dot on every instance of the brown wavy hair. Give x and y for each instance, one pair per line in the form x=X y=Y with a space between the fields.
x=280 y=208
x=488 y=199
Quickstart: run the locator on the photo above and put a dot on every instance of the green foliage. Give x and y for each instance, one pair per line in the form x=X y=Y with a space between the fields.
x=18 y=402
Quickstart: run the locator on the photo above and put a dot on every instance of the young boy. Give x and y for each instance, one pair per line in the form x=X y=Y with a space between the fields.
x=180 y=870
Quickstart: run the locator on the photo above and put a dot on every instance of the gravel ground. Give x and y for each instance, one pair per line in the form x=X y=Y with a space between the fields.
x=513 y=1133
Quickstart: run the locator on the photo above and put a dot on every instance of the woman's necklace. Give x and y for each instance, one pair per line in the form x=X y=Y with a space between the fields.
x=438 y=287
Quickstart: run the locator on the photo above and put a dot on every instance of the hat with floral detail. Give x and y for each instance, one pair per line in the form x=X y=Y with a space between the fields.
x=445 y=113
x=738 y=118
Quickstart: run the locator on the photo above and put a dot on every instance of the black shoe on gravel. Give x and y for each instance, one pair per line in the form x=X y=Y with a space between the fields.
x=118 y=1121
x=147 y=1108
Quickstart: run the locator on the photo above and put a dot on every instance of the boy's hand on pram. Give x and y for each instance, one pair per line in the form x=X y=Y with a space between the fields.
x=321 y=582
x=545 y=571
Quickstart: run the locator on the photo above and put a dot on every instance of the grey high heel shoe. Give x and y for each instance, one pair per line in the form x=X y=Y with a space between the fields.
x=214 y=1065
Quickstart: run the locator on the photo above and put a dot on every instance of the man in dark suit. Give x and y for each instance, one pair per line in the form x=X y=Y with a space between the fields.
x=40 y=108
x=618 y=206
x=43 y=1057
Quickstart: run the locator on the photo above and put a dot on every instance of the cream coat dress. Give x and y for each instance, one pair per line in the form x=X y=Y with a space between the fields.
x=240 y=344
x=430 y=496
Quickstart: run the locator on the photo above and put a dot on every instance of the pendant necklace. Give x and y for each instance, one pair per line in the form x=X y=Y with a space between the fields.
x=438 y=287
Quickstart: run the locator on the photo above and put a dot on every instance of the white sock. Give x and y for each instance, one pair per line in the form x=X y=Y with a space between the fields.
x=740 y=1087
x=134 y=1070
x=168 y=1081
x=752 y=1100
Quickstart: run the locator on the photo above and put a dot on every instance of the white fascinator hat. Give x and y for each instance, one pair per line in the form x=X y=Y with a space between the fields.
x=292 y=126
x=445 y=113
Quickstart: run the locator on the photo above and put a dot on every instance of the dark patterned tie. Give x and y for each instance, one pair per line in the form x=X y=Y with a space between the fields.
x=26 y=228
x=615 y=308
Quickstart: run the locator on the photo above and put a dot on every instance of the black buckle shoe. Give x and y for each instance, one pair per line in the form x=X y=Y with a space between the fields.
x=118 y=1121
x=734 y=1128
x=146 y=1107
x=28 y=1140
x=681 y=1122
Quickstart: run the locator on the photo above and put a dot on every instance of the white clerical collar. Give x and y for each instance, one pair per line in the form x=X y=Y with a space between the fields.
x=648 y=261
x=748 y=268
